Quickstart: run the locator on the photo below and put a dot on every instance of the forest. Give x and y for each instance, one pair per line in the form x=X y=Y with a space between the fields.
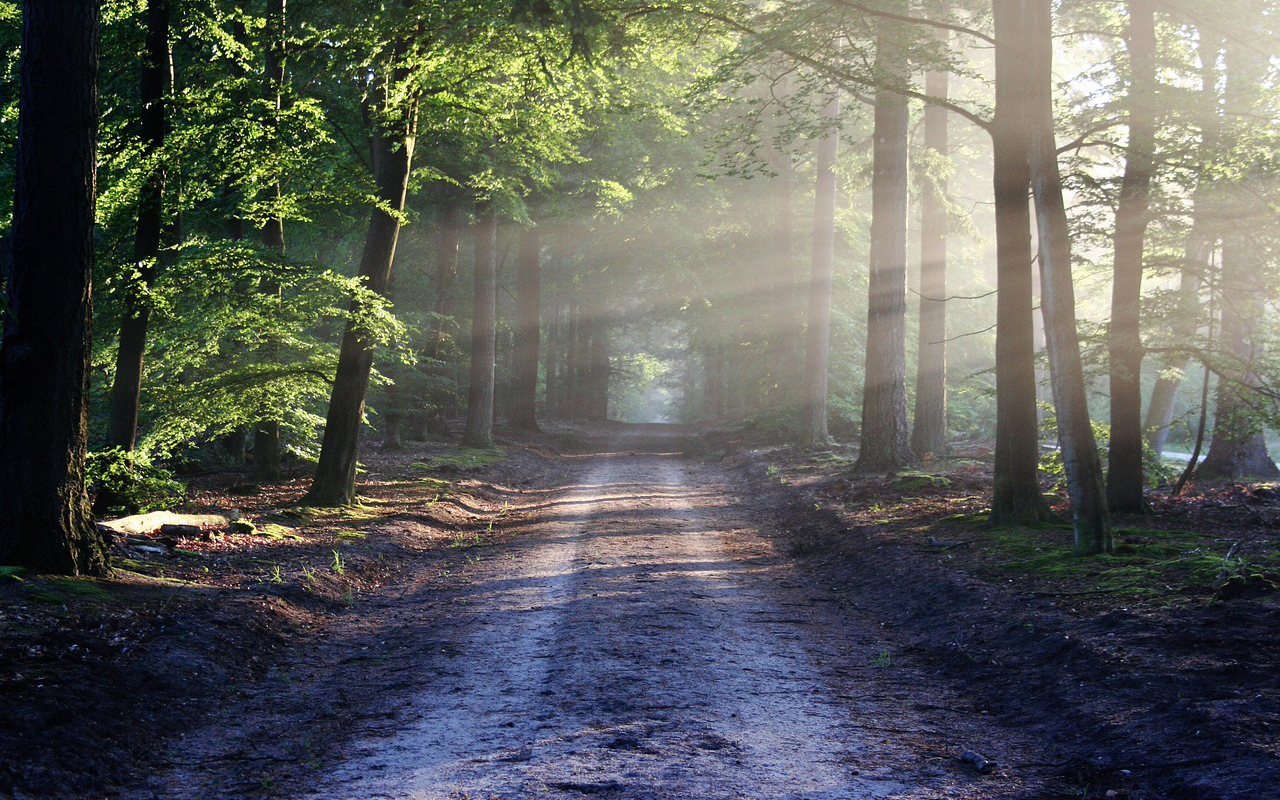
x=927 y=344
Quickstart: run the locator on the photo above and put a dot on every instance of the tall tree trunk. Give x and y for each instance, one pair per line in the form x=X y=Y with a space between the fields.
x=573 y=363
x=44 y=354
x=392 y=140
x=552 y=357
x=598 y=397
x=818 y=333
x=1124 y=455
x=929 y=432
x=266 y=434
x=479 y=427
x=1075 y=433
x=524 y=384
x=126 y=390
x=1016 y=498
x=885 y=446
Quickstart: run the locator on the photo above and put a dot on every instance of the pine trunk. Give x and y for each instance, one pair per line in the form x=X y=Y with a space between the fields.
x=392 y=146
x=929 y=431
x=1124 y=455
x=479 y=426
x=44 y=354
x=885 y=447
x=818 y=332
x=1075 y=432
x=1016 y=498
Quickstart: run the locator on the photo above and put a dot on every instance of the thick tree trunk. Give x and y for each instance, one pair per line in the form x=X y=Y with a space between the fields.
x=44 y=354
x=392 y=146
x=885 y=446
x=818 y=332
x=1075 y=433
x=524 y=383
x=1124 y=455
x=929 y=432
x=1016 y=498
x=479 y=427
x=126 y=389
x=266 y=434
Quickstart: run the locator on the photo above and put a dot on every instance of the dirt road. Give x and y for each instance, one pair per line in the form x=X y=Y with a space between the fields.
x=636 y=639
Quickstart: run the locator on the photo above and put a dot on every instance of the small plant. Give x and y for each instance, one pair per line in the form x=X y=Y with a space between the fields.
x=337 y=564
x=883 y=659
x=308 y=575
x=129 y=482
x=277 y=575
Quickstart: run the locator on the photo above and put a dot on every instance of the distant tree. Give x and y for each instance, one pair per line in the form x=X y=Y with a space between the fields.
x=44 y=355
x=524 y=389
x=818 y=332
x=479 y=426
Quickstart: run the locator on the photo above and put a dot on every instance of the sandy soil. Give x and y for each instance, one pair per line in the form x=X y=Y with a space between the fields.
x=634 y=637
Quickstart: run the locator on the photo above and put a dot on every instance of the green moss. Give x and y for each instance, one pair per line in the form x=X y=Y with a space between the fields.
x=272 y=530
x=11 y=573
x=459 y=457
x=351 y=534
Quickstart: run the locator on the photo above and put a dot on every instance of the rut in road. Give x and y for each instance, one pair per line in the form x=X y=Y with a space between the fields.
x=617 y=650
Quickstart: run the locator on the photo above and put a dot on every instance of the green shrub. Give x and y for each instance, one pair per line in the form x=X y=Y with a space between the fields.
x=129 y=482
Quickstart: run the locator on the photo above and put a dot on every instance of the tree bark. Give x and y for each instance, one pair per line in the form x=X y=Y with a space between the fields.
x=392 y=140
x=479 y=427
x=266 y=434
x=1124 y=454
x=44 y=354
x=885 y=447
x=1016 y=497
x=524 y=384
x=929 y=431
x=818 y=332
x=126 y=389
x=1075 y=432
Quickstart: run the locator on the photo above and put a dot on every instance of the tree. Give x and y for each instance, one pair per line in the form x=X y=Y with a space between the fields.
x=155 y=86
x=1124 y=453
x=1016 y=497
x=1238 y=447
x=44 y=355
x=884 y=445
x=818 y=332
x=524 y=388
x=1075 y=432
x=479 y=426
x=929 y=431
x=394 y=125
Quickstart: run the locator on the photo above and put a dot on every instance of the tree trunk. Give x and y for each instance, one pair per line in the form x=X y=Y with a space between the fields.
x=1075 y=433
x=266 y=434
x=885 y=446
x=1016 y=497
x=524 y=384
x=126 y=390
x=818 y=333
x=929 y=432
x=479 y=427
x=392 y=146
x=44 y=354
x=1124 y=455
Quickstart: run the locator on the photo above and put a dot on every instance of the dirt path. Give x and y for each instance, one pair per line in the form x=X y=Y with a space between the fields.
x=634 y=639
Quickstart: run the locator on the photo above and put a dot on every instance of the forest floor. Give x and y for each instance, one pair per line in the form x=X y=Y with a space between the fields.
x=651 y=613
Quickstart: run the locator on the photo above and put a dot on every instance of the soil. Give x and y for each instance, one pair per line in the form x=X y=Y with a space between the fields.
x=599 y=613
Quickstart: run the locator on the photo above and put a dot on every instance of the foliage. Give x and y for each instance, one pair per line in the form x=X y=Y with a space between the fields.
x=133 y=481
